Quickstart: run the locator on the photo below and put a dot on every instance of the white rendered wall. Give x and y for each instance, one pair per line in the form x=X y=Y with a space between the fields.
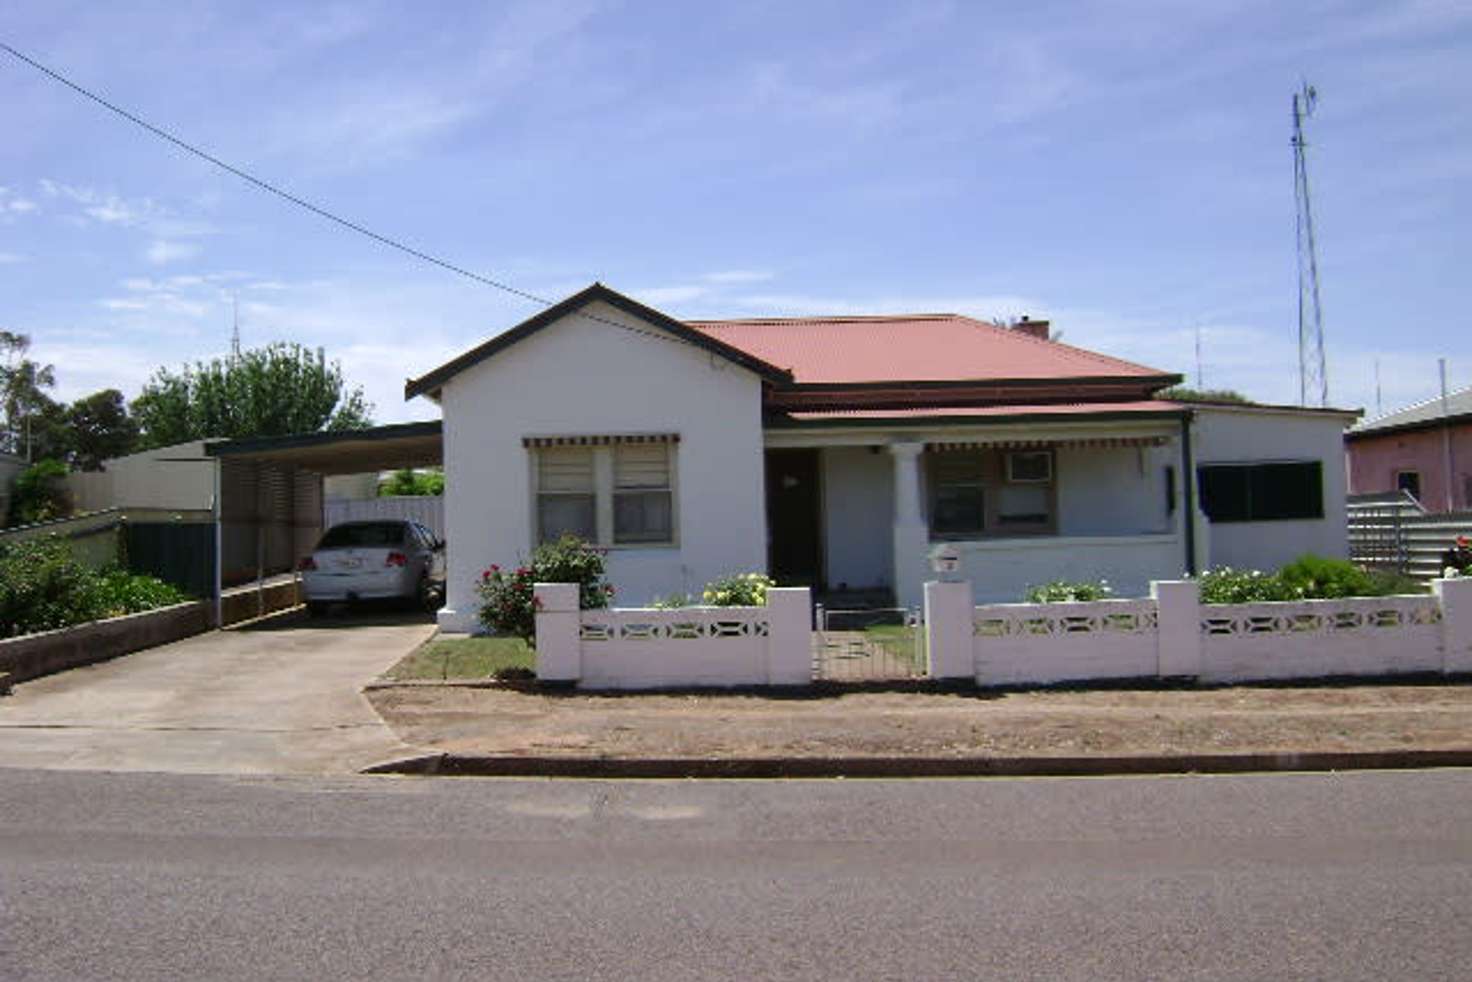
x=1222 y=436
x=582 y=377
x=1001 y=571
x=858 y=509
x=1113 y=490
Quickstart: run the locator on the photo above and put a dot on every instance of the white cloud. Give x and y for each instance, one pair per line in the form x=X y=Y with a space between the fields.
x=738 y=276
x=658 y=295
x=162 y=252
x=110 y=208
x=12 y=204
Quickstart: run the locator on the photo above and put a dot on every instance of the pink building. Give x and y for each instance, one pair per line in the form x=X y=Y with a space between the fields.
x=1415 y=450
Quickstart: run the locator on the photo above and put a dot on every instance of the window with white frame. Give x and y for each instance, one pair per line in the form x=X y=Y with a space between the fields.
x=608 y=491
x=643 y=499
x=567 y=493
x=978 y=492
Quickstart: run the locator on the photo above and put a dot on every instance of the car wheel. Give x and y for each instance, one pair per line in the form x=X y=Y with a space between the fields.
x=424 y=596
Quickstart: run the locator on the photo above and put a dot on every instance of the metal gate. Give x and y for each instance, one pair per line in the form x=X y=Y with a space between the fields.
x=875 y=645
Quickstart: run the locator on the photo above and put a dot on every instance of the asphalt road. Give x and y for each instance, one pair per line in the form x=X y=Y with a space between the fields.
x=134 y=876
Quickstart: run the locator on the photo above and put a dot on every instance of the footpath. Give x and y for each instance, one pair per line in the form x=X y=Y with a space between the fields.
x=920 y=732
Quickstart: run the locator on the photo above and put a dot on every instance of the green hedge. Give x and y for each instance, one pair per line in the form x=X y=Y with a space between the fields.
x=42 y=588
x=1306 y=578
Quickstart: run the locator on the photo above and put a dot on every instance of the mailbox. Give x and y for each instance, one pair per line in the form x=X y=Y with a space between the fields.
x=945 y=559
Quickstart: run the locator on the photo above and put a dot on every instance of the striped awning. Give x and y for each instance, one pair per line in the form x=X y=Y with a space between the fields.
x=598 y=440
x=1014 y=444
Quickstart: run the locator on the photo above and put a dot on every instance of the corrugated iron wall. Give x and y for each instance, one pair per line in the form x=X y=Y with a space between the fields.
x=271 y=515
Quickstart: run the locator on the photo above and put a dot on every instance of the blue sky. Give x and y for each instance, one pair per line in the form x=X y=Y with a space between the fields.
x=1123 y=169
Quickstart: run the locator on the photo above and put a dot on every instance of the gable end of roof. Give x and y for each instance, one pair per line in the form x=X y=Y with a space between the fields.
x=431 y=382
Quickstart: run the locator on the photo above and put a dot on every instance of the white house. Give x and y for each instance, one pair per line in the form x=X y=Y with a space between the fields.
x=835 y=451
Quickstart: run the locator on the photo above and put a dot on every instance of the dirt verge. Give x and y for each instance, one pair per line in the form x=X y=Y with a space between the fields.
x=933 y=724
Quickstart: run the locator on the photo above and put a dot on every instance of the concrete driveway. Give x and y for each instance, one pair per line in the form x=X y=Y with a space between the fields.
x=280 y=696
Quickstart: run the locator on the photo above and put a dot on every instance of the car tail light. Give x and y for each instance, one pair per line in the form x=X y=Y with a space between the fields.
x=396 y=559
x=306 y=565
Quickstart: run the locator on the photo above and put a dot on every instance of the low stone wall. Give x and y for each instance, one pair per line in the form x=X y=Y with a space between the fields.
x=34 y=655
x=245 y=603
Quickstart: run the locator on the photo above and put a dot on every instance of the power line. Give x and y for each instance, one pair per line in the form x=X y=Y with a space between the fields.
x=320 y=212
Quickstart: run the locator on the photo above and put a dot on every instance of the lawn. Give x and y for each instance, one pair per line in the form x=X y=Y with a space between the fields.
x=466 y=658
x=898 y=642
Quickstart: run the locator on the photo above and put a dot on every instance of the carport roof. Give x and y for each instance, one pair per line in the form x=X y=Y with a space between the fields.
x=378 y=448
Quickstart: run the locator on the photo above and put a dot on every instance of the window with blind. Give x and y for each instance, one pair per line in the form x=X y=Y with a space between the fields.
x=983 y=492
x=567 y=499
x=957 y=495
x=608 y=494
x=643 y=505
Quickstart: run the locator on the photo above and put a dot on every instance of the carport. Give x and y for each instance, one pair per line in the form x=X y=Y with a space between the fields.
x=268 y=494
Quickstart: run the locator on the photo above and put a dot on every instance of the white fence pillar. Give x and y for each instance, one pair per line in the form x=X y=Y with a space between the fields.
x=1455 y=598
x=559 y=626
x=1178 y=621
x=910 y=534
x=789 y=636
x=949 y=650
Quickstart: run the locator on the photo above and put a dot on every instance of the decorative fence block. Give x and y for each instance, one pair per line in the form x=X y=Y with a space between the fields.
x=639 y=648
x=1172 y=634
x=1025 y=643
x=1311 y=638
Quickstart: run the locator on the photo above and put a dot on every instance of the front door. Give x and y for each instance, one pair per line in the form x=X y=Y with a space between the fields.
x=794 y=523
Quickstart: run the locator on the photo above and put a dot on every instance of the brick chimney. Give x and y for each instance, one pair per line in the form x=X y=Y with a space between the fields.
x=1032 y=328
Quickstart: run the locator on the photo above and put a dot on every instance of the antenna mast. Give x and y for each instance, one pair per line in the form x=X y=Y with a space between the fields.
x=235 y=327
x=1200 y=376
x=1313 y=378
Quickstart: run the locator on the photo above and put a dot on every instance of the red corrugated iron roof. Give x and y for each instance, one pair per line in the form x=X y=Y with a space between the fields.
x=911 y=348
x=1143 y=407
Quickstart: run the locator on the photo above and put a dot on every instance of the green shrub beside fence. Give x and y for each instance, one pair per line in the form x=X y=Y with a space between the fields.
x=43 y=588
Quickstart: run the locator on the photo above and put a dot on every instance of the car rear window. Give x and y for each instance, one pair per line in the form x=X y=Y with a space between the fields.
x=363 y=534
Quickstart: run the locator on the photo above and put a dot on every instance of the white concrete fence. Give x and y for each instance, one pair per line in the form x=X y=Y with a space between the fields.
x=1172 y=634
x=649 y=648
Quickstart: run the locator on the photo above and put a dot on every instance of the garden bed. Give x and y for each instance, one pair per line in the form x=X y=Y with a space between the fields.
x=33 y=655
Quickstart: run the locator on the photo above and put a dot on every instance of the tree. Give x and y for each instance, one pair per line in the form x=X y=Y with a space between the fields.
x=22 y=398
x=409 y=483
x=39 y=494
x=99 y=428
x=272 y=391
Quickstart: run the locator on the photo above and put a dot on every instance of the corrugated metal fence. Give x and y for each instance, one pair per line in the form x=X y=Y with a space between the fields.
x=178 y=547
x=427 y=510
x=1393 y=532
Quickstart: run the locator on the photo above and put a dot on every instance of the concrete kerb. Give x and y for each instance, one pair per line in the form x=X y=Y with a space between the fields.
x=465 y=765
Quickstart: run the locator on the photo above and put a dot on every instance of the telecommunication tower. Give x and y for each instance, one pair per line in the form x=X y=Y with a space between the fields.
x=1313 y=378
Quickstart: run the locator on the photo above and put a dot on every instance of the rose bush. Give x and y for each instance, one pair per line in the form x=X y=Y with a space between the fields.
x=508 y=604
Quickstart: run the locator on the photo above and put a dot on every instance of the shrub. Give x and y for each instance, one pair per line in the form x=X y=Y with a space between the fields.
x=43 y=588
x=39 y=495
x=1226 y=585
x=1314 y=577
x=121 y=592
x=1308 y=577
x=674 y=601
x=738 y=590
x=1064 y=591
x=508 y=603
